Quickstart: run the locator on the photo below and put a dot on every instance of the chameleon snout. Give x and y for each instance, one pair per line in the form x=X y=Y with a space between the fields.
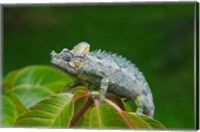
x=54 y=55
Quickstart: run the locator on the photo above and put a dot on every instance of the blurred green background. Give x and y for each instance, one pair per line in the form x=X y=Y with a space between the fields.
x=158 y=38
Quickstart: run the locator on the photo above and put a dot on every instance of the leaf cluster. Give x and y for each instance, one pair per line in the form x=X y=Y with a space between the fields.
x=34 y=97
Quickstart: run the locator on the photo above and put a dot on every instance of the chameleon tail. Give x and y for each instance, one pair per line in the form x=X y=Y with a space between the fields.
x=145 y=105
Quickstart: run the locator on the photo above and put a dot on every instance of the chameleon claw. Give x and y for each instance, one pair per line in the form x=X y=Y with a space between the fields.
x=102 y=100
x=97 y=94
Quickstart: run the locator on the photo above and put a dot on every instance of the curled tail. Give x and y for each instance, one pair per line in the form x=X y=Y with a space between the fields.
x=145 y=105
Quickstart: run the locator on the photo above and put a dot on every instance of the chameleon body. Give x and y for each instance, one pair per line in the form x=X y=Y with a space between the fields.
x=110 y=72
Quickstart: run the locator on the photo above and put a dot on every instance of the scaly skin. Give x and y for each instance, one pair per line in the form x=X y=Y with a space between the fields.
x=108 y=71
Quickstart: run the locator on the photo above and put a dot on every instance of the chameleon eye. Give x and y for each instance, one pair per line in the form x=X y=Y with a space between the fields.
x=67 y=56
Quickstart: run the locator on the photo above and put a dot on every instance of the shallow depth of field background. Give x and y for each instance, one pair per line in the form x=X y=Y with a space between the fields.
x=158 y=38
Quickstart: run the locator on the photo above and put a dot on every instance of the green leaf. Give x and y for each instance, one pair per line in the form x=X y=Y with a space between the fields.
x=29 y=95
x=78 y=104
x=9 y=112
x=130 y=106
x=138 y=122
x=45 y=76
x=9 y=80
x=83 y=122
x=105 y=117
x=77 y=91
x=154 y=123
x=56 y=87
x=54 y=111
x=18 y=104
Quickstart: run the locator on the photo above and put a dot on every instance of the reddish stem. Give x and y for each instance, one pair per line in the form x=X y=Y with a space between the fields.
x=121 y=113
x=81 y=96
x=83 y=109
x=116 y=99
x=97 y=105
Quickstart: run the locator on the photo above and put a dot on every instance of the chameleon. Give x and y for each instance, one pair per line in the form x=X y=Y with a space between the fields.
x=110 y=72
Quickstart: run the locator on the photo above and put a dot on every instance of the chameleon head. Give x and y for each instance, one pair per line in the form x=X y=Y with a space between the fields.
x=71 y=60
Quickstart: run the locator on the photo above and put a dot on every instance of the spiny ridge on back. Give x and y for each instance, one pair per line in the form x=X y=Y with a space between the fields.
x=121 y=61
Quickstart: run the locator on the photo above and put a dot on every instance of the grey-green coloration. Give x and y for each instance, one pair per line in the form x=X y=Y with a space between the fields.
x=110 y=72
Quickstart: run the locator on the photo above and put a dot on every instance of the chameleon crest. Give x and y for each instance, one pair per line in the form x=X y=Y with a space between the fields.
x=111 y=72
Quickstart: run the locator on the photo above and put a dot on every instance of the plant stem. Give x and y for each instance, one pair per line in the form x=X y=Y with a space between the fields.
x=116 y=99
x=81 y=96
x=83 y=109
x=121 y=113
x=97 y=104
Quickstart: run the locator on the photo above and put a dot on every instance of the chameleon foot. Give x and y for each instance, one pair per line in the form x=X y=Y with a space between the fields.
x=97 y=95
